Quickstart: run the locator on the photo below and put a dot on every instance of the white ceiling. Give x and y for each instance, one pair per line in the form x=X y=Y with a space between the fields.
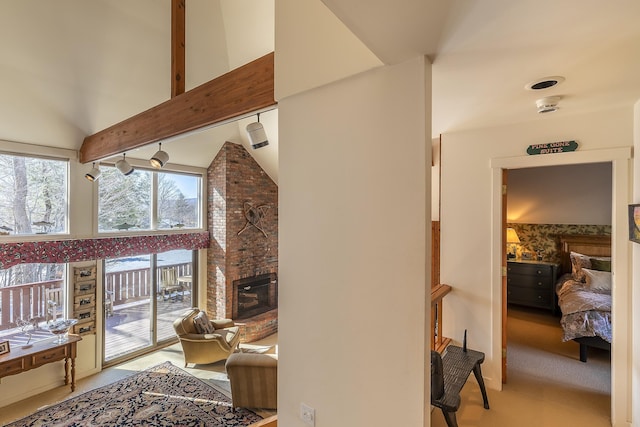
x=485 y=52
x=70 y=68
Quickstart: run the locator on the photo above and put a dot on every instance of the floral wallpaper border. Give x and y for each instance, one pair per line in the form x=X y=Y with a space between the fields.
x=62 y=251
x=546 y=238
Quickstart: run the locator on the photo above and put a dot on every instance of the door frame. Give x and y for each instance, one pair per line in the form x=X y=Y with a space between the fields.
x=620 y=158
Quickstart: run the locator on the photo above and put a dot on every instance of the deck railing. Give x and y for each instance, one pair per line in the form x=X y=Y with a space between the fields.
x=28 y=301
x=438 y=341
x=24 y=302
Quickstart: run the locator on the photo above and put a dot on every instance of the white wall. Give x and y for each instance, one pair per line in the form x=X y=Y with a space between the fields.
x=353 y=188
x=560 y=194
x=353 y=206
x=470 y=214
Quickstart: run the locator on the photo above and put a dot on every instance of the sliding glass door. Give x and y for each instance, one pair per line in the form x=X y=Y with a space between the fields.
x=175 y=290
x=143 y=295
x=127 y=325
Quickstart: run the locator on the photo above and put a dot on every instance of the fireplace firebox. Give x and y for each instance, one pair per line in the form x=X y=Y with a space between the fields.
x=254 y=295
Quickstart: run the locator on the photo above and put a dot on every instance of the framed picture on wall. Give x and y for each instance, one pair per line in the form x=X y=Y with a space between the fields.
x=634 y=223
x=4 y=347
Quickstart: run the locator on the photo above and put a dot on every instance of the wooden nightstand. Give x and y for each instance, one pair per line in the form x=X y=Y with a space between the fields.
x=532 y=283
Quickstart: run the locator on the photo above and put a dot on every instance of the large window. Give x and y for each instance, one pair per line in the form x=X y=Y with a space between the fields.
x=147 y=200
x=178 y=201
x=124 y=201
x=33 y=195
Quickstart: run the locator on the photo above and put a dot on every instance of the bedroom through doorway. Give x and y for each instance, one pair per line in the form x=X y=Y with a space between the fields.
x=542 y=204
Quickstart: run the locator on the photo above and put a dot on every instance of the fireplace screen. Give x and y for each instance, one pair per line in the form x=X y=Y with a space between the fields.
x=254 y=295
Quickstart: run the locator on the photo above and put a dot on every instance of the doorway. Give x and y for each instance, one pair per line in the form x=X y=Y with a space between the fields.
x=543 y=204
x=619 y=158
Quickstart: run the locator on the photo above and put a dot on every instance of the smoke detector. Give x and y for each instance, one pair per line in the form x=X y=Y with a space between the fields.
x=548 y=104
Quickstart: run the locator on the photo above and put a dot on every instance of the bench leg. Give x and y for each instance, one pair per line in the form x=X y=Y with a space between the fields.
x=477 y=372
x=450 y=418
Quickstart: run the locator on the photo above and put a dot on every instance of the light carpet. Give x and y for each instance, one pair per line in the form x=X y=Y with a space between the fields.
x=163 y=395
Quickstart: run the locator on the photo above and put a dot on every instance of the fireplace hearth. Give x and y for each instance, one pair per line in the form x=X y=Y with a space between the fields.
x=254 y=295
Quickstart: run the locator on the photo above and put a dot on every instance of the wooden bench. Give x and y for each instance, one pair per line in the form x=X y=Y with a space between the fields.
x=449 y=374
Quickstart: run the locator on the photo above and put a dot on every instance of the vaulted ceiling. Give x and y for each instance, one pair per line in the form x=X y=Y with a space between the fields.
x=71 y=68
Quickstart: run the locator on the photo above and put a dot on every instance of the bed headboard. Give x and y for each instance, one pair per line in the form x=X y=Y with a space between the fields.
x=594 y=245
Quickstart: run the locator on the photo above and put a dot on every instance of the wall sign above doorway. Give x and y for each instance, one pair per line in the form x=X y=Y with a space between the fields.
x=552 y=147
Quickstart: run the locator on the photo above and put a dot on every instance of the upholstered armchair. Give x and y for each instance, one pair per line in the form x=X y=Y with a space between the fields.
x=254 y=380
x=203 y=340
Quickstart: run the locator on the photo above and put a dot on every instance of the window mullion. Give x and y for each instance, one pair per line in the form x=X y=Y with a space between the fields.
x=154 y=201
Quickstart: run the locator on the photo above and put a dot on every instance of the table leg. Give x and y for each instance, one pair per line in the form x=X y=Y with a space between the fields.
x=66 y=371
x=73 y=374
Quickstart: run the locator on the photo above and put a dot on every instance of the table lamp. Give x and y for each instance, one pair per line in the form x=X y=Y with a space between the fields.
x=512 y=241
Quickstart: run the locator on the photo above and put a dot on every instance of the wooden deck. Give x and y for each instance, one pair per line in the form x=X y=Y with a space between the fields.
x=129 y=330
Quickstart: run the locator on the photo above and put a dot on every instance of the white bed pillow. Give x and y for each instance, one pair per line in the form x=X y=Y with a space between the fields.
x=578 y=263
x=598 y=281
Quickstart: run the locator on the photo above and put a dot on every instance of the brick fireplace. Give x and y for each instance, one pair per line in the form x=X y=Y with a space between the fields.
x=243 y=224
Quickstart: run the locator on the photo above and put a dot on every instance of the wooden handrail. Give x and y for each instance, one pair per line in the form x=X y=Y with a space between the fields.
x=438 y=292
x=438 y=341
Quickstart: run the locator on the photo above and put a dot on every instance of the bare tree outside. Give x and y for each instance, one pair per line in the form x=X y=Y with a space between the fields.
x=175 y=210
x=33 y=195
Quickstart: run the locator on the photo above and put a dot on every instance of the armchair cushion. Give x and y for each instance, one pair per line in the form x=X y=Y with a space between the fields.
x=202 y=323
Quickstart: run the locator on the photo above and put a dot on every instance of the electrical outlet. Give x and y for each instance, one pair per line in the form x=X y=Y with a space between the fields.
x=308 y=414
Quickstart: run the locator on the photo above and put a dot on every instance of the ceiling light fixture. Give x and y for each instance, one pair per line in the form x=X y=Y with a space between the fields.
x=93 y=174
x=548 y=104
x=544 y=83
x=257 y=135
x=159 y=159
x=123 y=166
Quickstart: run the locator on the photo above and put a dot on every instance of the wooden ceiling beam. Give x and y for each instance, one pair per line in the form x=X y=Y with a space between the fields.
x=178 y=20
x=247 y=89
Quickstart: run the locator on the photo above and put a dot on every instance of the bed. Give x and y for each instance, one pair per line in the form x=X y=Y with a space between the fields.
x=584 y=291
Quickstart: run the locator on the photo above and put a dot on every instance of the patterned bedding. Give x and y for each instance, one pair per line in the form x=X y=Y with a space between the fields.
x=584 y=313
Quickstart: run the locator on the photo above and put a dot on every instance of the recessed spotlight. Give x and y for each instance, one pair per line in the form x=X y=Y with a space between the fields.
x=544 y=83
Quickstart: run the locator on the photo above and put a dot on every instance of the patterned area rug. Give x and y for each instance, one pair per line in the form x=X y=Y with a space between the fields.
x=163 y=395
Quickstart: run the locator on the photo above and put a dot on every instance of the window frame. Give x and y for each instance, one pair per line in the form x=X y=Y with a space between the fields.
x=70 y=157
x=174 y=169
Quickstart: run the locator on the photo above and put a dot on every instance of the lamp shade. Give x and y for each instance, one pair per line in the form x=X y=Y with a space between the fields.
x=160 y=158
x=512 y=236
x=93 y=174
x=257 y=135
x=124 y=167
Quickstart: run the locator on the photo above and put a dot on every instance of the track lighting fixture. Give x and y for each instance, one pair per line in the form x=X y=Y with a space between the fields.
x=257 y=135
x=159 y=159
x=93 y=174
x=123 y=166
